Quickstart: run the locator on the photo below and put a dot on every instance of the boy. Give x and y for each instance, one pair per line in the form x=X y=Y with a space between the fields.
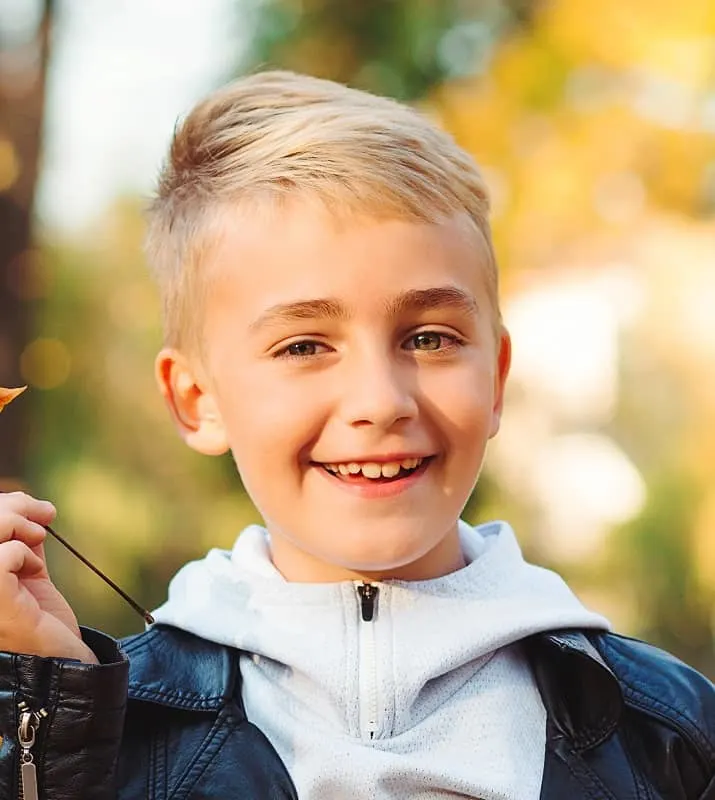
x=331 y=316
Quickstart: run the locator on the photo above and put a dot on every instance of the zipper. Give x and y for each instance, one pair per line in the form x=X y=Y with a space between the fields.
x=368 y=600
x=368 y=594
x=27 y=734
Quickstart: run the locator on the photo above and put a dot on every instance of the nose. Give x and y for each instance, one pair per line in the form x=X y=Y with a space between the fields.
x=377 y=390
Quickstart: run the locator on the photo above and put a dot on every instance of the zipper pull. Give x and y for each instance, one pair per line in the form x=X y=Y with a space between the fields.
x=27 y=733
x=368 y=599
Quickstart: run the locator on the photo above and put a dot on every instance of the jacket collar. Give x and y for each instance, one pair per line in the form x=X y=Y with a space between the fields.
x=581 y=694
x=163 y=669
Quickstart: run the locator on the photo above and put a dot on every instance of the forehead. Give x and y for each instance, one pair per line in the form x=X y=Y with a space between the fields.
x=269 y=256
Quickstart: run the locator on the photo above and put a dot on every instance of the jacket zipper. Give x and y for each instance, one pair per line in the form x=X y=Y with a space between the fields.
x=27 y=734
x=368 y=593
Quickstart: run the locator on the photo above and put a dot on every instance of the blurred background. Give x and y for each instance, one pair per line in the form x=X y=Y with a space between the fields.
x=595 y=127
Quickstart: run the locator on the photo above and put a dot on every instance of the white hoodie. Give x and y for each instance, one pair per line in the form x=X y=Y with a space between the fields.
x=431 y=698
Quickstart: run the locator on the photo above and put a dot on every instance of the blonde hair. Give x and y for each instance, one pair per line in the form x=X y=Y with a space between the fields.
x=278 y=134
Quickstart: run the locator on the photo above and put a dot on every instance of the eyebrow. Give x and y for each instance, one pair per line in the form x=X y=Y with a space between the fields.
x=329 y=308
x=435 y=297
x=325 y=308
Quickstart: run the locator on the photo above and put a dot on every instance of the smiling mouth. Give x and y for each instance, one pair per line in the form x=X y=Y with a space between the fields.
x=374 y=472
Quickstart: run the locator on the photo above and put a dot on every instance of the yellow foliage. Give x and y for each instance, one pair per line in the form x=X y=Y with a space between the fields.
x=654 y=34
x=8 y=395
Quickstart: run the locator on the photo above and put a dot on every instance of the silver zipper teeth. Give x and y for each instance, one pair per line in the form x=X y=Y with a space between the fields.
x=26 y=734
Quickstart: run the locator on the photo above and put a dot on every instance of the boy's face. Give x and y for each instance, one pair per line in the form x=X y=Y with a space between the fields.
x=330 y=345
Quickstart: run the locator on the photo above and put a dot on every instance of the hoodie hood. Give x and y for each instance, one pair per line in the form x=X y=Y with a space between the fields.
x=436 y=665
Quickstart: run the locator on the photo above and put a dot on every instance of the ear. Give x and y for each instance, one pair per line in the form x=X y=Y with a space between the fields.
x=501 y=374
x=192 y=407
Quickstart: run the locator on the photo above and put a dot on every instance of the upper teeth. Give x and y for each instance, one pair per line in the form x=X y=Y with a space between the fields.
x=371 y=469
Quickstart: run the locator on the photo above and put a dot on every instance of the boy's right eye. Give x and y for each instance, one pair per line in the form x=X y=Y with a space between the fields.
x=302 y=349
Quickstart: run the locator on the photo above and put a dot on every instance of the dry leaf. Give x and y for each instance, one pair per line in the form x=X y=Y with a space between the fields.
x=8 y=395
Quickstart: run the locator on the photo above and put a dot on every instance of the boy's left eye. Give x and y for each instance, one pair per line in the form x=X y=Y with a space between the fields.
x=430 y=340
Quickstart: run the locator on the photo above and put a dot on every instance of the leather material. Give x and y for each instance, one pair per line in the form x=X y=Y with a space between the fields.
x=77 y=744
x=625 y=721
x=187 y=735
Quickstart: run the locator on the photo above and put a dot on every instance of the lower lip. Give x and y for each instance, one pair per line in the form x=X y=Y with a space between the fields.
x=374 y=489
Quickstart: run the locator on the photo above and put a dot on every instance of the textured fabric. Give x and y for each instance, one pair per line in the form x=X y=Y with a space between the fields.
x=431 y=698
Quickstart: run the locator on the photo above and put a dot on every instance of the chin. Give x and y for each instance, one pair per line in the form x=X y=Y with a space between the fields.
x=382 y=556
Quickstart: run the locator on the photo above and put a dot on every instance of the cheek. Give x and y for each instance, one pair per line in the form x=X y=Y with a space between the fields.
x=461 y=402
x=269 y=422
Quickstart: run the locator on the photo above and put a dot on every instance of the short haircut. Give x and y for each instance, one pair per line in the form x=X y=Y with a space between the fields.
x=275 y=135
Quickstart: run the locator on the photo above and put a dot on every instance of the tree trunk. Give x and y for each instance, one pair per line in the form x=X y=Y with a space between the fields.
x=23 y=72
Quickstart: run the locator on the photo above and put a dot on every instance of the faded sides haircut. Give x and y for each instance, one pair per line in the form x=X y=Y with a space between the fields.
x=272 y=136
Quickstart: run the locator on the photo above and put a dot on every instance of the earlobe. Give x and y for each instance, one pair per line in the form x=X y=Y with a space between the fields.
x=192 y=407
x=503 y=363
x=210 y=436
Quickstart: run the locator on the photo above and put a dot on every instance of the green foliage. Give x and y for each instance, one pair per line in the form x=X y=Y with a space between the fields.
x=401 y=48
x=653 y=555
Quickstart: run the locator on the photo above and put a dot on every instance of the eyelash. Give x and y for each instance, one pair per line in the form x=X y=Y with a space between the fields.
x=453 y=342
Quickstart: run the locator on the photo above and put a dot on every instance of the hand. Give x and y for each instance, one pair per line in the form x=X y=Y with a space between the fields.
x=35 y=619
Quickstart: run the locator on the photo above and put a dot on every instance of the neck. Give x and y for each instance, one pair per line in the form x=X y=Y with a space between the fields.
x=300 y=566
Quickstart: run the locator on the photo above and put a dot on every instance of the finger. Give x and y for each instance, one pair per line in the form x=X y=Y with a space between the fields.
x=40 y=511
x=39 y=551
x=17 y=558
x=16 y=526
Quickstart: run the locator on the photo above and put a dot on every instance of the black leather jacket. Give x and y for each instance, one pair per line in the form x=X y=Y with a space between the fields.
x=624 y=721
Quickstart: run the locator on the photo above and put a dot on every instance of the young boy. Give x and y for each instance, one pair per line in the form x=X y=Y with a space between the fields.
x=331 y=315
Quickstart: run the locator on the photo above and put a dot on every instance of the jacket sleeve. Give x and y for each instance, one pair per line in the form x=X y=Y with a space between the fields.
x=77 y=714
x=709 y=793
